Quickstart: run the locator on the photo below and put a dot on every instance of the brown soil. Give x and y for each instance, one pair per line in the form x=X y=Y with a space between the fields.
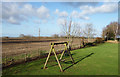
x=14 y=46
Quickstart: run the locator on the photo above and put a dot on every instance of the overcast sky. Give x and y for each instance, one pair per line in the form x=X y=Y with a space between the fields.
x=27 y=17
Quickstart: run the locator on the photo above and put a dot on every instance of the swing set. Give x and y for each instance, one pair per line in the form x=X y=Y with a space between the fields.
x=66 y=49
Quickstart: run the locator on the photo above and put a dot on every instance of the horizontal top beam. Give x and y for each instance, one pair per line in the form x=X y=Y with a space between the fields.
x=59 y=43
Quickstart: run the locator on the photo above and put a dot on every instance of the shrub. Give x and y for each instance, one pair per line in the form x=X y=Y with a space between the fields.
x=99 y=40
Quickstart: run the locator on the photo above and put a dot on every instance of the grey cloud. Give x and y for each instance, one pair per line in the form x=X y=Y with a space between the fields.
x=89 y=10
x=11 y=14
x=15 y=13
x=78 y=4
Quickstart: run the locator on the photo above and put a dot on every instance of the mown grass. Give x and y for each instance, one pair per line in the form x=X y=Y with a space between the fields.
x=96 y=60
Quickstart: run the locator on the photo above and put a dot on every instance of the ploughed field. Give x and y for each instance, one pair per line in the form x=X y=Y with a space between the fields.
x=14 y=46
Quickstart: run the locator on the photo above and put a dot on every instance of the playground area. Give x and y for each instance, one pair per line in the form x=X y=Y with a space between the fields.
x=96 y=60
x=59 y=38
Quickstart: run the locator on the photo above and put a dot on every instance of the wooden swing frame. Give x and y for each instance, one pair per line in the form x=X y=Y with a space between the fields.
x=52 y=49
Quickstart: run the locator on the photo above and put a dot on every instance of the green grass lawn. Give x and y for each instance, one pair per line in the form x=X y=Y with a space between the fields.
x=96 y=60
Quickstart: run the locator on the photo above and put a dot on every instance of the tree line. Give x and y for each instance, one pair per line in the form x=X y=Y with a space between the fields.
x=72 y=29
x=111 y=31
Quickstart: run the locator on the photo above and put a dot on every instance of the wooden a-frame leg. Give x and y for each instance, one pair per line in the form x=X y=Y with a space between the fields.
x=71 y=57
x=63 y=52
x=70 y=54
x=57 y=60
x=47 y=58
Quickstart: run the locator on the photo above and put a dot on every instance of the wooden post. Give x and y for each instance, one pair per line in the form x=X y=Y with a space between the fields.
x=68 y=50
x=71 y=57
x=63 y=52
x=48 y=56
x=57 y=60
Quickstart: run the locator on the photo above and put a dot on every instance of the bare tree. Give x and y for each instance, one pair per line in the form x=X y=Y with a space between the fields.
x=79 y=34
x=89 y=31
x=69 y=29
x=110 y=31
x=66 y=28
x=104 y=33
x=75 y=31
x=115 y=29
